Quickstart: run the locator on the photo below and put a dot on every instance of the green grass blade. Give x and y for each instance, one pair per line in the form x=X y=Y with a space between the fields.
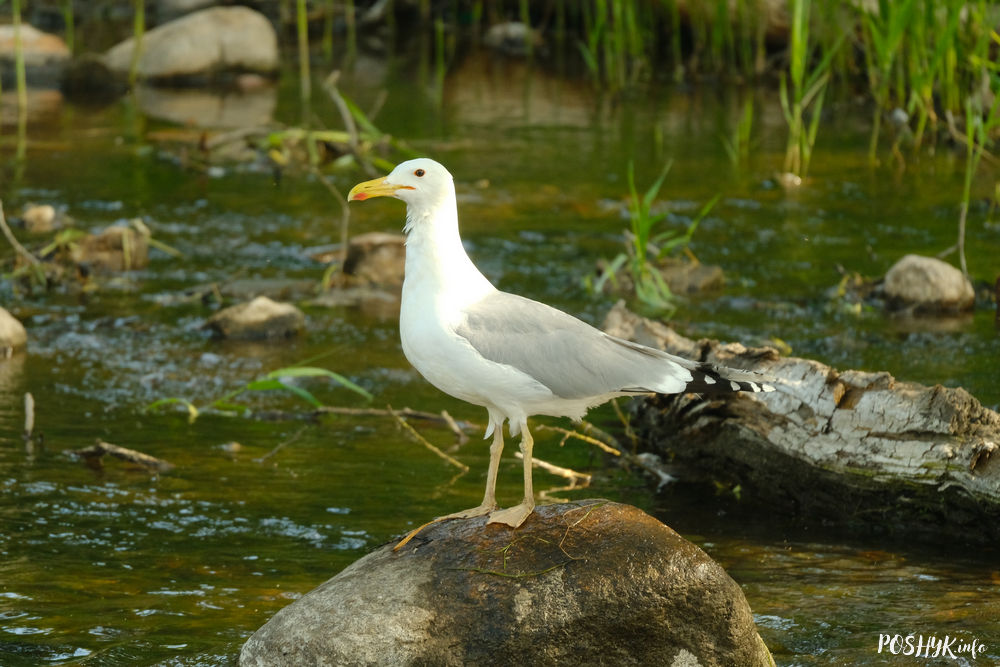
x=191 y=409
x=312 y=371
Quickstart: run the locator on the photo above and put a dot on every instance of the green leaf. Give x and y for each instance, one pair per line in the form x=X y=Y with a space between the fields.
x=192 y=410
x=312 y=371
x=227 y=406
x=264 y=385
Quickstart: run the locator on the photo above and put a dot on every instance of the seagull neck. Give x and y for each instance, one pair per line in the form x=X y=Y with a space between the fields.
x=435 y=254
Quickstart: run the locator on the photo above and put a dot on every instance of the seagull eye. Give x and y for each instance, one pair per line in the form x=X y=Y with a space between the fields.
x=419 y=173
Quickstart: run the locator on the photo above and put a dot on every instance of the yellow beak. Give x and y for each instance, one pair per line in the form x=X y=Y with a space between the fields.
x=377 y=187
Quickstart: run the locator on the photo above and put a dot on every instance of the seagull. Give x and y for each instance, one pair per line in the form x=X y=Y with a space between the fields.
x=515 y=357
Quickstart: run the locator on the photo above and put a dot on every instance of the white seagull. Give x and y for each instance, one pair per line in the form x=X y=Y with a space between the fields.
x=514 y=356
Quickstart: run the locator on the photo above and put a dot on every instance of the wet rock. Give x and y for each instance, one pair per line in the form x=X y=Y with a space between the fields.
x=260 y=319
x=682 y=277
x=927 y=284
x=590 y=582
x=45 y=56
x=114 y=249
x=376 y=258
x=12 y=333
x=202 y=45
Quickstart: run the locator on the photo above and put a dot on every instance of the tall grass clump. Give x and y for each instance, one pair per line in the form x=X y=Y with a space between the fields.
x=305 y=76
x=883 y=39
x=617 y=41
x=19 y=71
x=737 y=144
x=646 y=245
x=138 y=31
x=802 y=89
x=980 y=128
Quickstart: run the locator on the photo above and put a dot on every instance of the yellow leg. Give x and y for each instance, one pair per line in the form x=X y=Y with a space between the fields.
x=515 y=516
x=489 y=498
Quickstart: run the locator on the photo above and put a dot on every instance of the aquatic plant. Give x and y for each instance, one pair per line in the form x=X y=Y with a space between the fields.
x=305 y=77
x=737 y=144
x=20 y=77
x=644 y=247
x=138 y=31
x=884 y=31
x=278 y=380
x=68 y=20
x=614 y=47
x=979 y=130
x=808 y=87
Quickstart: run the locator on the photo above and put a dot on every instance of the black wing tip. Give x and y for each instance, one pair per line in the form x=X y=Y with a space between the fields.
x=706 y=379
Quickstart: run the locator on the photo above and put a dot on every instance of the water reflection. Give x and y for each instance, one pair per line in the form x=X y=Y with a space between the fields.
x=209 y=108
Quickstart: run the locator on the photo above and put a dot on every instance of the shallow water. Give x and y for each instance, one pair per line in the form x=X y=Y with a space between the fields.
x=123 y=567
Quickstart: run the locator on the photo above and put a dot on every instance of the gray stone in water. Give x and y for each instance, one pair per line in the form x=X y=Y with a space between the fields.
x=591 y=582
x=12 y=332
x=927 y=284
x=260 y=319
x=203 y=43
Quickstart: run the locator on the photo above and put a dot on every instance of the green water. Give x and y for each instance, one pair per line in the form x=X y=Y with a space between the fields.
x=124 y=567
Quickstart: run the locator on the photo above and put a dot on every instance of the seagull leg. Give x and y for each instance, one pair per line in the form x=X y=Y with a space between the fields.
x=515 y=516
x=489 y=498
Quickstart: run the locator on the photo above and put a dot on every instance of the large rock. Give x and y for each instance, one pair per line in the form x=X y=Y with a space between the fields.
x=927 y=284
x=582 y=583
x=12 y=333
x=202 y=44
x=260 y=319
x=45 y=56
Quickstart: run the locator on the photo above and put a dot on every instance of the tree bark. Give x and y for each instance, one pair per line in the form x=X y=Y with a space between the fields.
x=855 y=448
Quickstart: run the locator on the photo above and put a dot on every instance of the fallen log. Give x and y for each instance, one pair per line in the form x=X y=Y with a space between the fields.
x=853 y=448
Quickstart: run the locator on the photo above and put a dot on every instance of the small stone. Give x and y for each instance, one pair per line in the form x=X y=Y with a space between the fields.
x=260 y=319
x=927 y=284
x=12 y=332
x=39 y=219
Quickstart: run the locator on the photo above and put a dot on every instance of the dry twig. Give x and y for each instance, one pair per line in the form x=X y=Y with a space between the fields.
x=93 y=455
x=426 y=443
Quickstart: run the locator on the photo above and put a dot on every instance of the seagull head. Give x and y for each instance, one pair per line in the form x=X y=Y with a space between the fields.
x=422 y=183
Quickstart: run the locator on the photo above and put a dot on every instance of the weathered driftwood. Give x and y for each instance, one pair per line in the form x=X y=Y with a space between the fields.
x=857 y=448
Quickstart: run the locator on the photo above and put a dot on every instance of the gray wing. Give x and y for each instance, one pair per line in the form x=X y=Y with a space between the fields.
x=573 y=359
